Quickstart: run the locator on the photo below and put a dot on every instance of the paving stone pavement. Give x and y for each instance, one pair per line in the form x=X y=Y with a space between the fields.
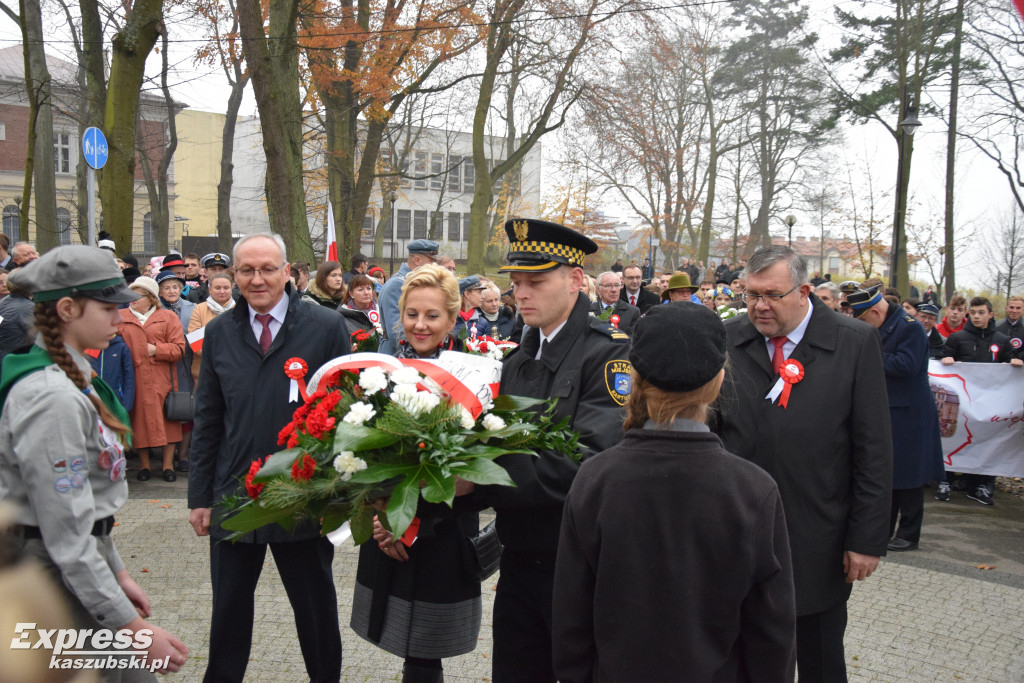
x=924 y=616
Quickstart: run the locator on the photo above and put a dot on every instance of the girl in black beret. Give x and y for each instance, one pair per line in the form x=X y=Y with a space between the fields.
x=655 y=583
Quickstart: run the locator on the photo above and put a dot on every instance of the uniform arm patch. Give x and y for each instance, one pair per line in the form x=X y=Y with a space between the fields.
x=617 y=379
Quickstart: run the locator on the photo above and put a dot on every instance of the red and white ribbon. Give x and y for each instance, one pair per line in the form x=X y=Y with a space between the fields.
x=792 y=371
x=296 y=369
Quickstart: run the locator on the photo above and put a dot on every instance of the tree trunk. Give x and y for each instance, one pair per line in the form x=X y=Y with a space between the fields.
x=42 y=132
x=227 y=150
x=159 y=197
x=130 y=49
x=273 y=60
x=949 y=267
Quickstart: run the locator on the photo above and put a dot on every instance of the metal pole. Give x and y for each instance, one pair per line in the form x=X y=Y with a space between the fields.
x=897 y=223
x=90 y=174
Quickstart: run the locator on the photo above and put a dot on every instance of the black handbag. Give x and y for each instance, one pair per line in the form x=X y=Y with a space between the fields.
x=485 y=551
x=179 y=406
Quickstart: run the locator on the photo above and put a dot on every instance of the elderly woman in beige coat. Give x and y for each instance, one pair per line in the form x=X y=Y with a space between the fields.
x=157 y=342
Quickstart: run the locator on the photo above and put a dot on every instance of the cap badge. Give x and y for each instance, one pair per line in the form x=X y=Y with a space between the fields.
x=522 y=230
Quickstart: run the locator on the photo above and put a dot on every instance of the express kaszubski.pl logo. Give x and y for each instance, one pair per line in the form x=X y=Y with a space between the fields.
x=86 y=648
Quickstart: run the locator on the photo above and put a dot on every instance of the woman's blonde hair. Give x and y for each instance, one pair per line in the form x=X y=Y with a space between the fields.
x=433 y=275
x=647 y=401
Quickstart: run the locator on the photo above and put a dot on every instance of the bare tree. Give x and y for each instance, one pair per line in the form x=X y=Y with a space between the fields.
x=1004 y=253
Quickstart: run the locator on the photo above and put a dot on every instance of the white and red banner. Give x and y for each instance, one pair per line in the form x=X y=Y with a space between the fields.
x=195 y=338
x=981 y=416
x=332 y=238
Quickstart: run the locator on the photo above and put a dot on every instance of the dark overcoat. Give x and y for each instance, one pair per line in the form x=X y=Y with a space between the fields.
x=644 y=300
x=916 y=444
x=628 y=315
x=830 y=450
x=242 y=400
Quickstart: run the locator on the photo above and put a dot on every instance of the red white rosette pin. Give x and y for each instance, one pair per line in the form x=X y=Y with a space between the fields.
x=792 y=371
x=296 y=369
x=995 y=352
x=614 y=321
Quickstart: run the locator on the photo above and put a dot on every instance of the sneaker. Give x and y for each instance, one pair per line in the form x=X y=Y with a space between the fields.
x=981 y=495
x=943 y=492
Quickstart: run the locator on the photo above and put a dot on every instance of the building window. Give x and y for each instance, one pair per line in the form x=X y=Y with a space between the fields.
x=61 y=153
x=453 y=227
x=148 y=238
x=406 y=182
x=63 y=226
x=465 y=226
x=833 y=265
x=419 y=225
x=420 y=171
x=437 y=171
x=368 y=226
x=468 y=175
x=404 y=221
x=454 y=173
x=12 y=222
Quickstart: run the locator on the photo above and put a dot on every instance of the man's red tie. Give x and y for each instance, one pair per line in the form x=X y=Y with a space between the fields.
x=779 y=356
x=265 y=337
x=632 y=299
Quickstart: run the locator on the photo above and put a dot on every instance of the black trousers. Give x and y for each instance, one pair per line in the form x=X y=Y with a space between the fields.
x=305 y=568
x=522 y=623
x=820 y=655
x=908 y=509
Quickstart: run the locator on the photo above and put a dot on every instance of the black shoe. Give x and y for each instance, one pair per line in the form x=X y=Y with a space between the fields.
x=143 y=474
x=421 y=674
x=981 y=494
x=169 y=476
x=943 y=492
x=899 y=544
x=183 y=465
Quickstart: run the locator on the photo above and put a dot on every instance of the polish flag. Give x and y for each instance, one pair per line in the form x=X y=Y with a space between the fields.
x=1019 y=4
x=195 y=339
x=332 y=239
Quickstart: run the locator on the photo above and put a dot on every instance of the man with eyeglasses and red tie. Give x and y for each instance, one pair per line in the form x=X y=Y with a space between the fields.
x=805 y=398
x=633 y=291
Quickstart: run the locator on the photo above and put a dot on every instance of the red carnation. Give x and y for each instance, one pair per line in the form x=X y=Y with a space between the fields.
x=303 y=468
x=286 y=434
x=252 y=489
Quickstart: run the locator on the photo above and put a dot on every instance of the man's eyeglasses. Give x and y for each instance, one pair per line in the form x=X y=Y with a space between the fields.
x=247 y=273
x=614 y=285
x=769 y=298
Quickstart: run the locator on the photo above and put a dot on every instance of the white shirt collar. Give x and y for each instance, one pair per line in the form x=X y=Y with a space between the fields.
x=549 y=337
x=278 y=312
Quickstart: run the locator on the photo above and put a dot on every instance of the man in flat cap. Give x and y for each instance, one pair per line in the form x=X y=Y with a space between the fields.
x=804 y=398
x=582 y=361
x=420 y=252
x=916 y=446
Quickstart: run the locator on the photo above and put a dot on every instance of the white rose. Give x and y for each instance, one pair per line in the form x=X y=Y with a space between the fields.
x=405 y=375
x=467 y=420
x=359 y=413
x=347 y=464
x=373 y=380
x=414 y=402
x=493 y=423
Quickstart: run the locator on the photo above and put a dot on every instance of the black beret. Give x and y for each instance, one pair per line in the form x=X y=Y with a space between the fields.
x=678 y=346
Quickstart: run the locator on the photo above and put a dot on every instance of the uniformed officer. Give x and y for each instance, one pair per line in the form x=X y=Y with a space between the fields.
x=581 y=361
x=61 y=438
x=212 y=264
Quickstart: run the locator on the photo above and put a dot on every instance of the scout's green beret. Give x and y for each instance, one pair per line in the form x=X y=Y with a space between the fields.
x=75 y=270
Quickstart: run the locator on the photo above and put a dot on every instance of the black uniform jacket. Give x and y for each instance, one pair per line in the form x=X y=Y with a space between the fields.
x=1015 y=331
x=242 y=400
x=586 y=368
x=644 y=299
x=936 y=344
x=628 y=315
x=830 y=450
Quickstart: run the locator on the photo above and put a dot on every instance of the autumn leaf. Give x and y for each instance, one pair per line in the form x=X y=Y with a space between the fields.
x=165 y=506
x=153 y=501
x=985 y=566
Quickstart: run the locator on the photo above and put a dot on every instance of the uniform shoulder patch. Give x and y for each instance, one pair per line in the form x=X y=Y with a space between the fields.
x=617 y=379
x=609 y=330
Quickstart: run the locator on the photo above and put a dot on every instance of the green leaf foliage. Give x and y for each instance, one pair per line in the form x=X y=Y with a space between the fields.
x=350 y=437
x=278 y=463
x=482 y=472
x=402 y=505
x=439 y=487
x=252 y=516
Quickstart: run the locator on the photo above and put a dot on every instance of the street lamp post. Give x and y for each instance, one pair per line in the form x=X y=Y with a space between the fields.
x=790 y=221
x=907 y=127
x=393 y=196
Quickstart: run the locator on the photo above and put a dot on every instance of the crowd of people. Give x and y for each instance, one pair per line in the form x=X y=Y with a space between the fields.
x=759 y=389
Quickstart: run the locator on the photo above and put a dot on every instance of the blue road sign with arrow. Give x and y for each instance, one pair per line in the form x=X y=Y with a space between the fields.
x=94 y=147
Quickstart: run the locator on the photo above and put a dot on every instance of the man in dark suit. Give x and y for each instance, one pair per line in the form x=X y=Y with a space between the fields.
x=917 y=446
x=241 y=405
x=622 y=316
x=805 y=399
x=634 y=293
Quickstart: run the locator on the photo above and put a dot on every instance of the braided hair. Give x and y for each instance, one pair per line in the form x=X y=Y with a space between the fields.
x=48 y=325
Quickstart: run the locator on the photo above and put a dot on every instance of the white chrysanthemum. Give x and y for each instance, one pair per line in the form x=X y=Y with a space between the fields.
x=359 y=413
x=493 y=423
x=467 y=419
x=347 y=464
x=415 y=402
x=405 y=375
x=373 y=380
